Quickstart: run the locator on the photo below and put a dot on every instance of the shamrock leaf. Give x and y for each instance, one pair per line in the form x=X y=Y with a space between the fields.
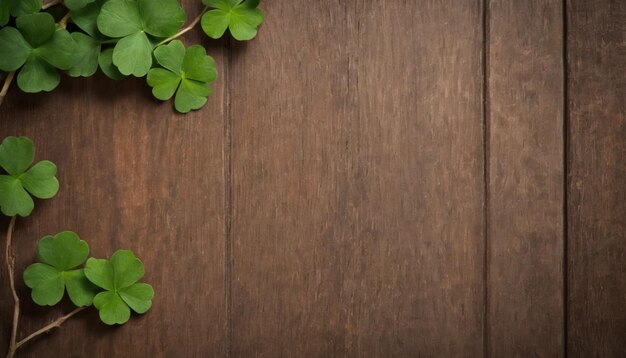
x=16 y=155
x=86 y=18
x=186 y=72
x=17 y=8
x=40 y=47
x=241 y=17
x=119 y=276
x=57 y=271
x=90 y=48
x=132 y=21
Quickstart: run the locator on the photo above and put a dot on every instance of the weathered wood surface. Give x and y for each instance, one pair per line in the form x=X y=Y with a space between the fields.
x=526 y=178
x=357 y=181
x=370 y=179
x=597 y=178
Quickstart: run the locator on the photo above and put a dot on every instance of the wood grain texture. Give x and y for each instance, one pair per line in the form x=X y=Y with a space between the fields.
x=357 y=181
x=526 y=178
x=597 y=183
x=133 y=175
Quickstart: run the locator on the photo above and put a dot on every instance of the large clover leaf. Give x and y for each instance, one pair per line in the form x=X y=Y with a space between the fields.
x=119 y=276
x=16 y=156
x=241 y=17
x=186 y=72
x=132 y=21
x=40 y=47
x=57 y=271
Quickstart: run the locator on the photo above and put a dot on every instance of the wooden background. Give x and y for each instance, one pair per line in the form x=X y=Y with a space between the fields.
x=384 y=178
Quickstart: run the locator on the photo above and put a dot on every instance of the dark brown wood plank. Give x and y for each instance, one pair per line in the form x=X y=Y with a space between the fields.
x=358 y=181
x=526 y=178
x=133 y=175
x=597 y=184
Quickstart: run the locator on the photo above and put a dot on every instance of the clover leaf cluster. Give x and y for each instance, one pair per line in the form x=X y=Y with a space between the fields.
x=121 y=38
x=110 y=285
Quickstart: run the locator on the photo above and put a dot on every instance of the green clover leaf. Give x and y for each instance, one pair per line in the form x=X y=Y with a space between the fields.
x=40 y=48
x=57 y=271
x=132 y=21
x=91 y=48
x=17 y=8
x=119 y=276
x=241 y=17
x=87 y=54
x=186 y=72
x=16 y=155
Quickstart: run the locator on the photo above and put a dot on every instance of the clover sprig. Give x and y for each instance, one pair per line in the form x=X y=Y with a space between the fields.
x=20 y=180
x=111 y=286
x=121 y=38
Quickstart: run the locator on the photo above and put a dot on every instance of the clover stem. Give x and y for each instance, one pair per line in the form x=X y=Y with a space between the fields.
x=63 y=21
x=57 y=323
x=186 y=29
x=51 y=4
x=6 y=85
x=11 y=269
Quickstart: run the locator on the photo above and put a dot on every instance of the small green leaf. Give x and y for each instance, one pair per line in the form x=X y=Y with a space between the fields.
x=119 y=18
x=5 y=10
x=100 y=272
x=16 y=156
x=127 y=269
x=133 y=55
x=36 y=28
x=138 y=297
x=242 y=18
x=38 y=76
x=87 y=18
x=46 y=283
x=40 y=180
x=63 y=251
x=186 y=72
x=14 y=200
x=60 y=255
x=119 y=276
x=113 y=310
x=88 y=53
x=191 y=95
x=60 y=51
x=14 y=49
x=105 y=60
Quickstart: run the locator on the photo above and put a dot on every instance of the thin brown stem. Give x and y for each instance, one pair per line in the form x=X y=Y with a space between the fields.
x=56 y=324
x=10 y=258
x=6 y=85
x=51 y=4
x=186 y=29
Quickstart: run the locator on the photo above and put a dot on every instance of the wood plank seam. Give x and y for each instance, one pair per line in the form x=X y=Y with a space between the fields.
x=228 y=202
x=566 y=181
x=485 y=79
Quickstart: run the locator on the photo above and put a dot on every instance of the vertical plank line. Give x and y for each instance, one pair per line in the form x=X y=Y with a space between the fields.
x=228 y=200
x=486 y=132
x=566 y=182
